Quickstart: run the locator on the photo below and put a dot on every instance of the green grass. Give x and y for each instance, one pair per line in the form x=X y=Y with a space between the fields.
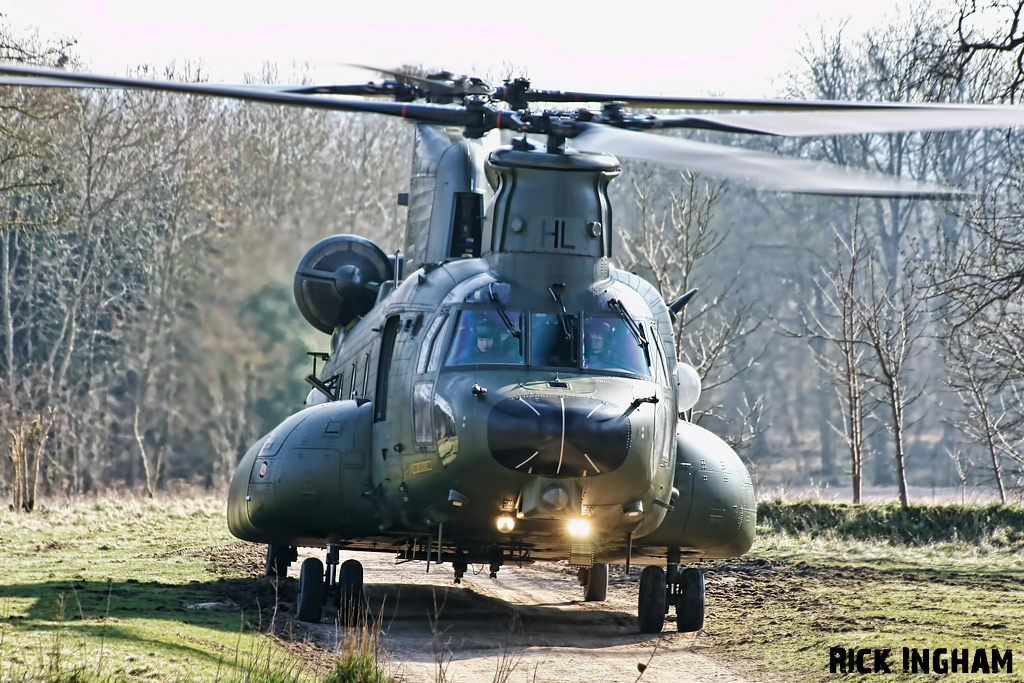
x=822 y=576
x=105 y=590
x=100 y=591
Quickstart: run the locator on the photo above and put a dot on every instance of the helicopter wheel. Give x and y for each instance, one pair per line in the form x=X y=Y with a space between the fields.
x=690 y=601
x=350 y=592
x=279 y=558
x=653 y=600
x=311 y=590
x=595 y=586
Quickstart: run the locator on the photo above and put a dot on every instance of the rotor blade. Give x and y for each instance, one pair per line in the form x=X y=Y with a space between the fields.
x=360 y=89
x=757 y=169
x=61 y=83
x=923 y=118
x=43 y=82
x=807 y=117
x=707 y=103
x=426 y=113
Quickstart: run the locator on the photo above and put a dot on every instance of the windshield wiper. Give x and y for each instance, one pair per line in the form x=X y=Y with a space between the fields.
x=563 y=317
x=501 y=312
x=634 y=328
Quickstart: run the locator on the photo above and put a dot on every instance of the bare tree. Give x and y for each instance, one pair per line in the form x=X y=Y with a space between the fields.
x=894 y=322
x=678 y=241
x=986 y=419
x=844 y=355
x=29 y=181
x=28 y=438
x=991 y=27
x=873 y=330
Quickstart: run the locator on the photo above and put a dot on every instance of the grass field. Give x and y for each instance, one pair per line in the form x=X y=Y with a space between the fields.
x=125 y=589
x=122 y=590
x=871 y=577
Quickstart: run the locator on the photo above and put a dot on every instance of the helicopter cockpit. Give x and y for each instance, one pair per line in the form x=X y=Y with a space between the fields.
x=492 y=336
x=482 y=337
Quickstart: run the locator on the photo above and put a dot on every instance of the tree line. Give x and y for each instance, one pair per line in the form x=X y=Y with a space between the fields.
x=872 y=341
x=148 y=240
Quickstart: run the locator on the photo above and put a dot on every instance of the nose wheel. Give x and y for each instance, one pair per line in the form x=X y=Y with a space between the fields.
x=350 y=592
x=316 y=586
x=689 y=600
x=682 y=588
x=311 y=590
x=652 y=603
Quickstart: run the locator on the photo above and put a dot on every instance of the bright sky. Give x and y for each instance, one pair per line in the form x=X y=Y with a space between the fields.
x=666 y=47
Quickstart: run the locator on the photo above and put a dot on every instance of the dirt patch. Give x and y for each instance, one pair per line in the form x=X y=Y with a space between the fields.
x=527 y=624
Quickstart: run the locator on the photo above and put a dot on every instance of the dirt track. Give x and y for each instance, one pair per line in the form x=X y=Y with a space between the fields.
x=533 y=618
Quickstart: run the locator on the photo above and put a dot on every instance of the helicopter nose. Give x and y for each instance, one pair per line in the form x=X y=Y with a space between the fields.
x=569 y=436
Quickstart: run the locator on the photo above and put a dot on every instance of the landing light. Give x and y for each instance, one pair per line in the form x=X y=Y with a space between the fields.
x=579 y=527
x=506 y=524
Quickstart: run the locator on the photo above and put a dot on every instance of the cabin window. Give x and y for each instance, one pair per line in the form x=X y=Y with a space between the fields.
x=387 y=348
x=352 y=386
x=444 y=431
x=485 y=337
x=608 y=344
x=659 y=351
x=366 y=371
x=427 y=360
x=421 y=409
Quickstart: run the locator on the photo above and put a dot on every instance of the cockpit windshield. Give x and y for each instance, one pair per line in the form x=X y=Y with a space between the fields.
x=609 y=345
x=483 y=337
x=488 y=336
x=553 y=340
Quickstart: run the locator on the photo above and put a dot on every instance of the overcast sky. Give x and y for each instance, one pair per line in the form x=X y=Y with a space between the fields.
x=675 y=47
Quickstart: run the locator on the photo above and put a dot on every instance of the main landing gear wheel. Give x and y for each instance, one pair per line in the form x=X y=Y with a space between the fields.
x=311 y=590
x=279 y=558
x=653 y=600
x=350 y=592
x=690 y=600
x=595 y=582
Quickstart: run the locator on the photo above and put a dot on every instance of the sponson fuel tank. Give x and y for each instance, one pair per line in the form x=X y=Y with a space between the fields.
x=715 y=512
x=305 y=478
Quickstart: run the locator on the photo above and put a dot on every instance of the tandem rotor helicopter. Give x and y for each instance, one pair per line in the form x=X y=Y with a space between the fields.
x=499 y=392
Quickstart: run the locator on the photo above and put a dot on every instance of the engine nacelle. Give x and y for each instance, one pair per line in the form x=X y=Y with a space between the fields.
x=303 y=482
x=715 y=513
x=338 y=279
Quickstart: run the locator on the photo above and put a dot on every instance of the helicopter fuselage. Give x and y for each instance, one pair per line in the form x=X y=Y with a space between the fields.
x=556 y=436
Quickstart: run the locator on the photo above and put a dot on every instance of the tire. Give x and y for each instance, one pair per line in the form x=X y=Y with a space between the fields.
x=690 y=601
x=311 y=590
x=596 y=588
x=350 y=592
x=652 y=601
x=279 y=558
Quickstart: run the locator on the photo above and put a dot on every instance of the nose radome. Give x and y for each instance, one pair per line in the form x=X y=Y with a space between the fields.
x=569 y=436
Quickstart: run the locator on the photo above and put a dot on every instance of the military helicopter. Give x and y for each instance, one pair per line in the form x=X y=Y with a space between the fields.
x=500 y=392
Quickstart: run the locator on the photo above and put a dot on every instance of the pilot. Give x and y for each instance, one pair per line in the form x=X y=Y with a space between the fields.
x=485 y=337
x=490 y=347
x=598 y=341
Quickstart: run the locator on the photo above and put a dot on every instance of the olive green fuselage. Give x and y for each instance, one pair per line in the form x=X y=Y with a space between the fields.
x=566 y=411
